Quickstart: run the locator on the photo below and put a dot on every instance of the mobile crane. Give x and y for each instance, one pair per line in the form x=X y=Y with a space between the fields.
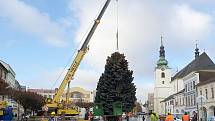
x=55 y=102
x=6 y=112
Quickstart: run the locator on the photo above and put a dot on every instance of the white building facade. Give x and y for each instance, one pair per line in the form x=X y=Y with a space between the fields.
x=179 y=102
x=162 y=87
x=183 y=85
x=9 y=76
x=190 y=82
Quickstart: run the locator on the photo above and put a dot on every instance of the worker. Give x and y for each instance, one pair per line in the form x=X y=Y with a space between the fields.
x=169 y=117
x=52 y=116
x=153 y=116
x=185 y=117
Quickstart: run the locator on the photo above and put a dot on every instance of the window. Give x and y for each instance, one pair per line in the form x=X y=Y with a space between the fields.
x=191 y=86
x=162 y=75
x=162 y=82
x=180 y=101
x=212 y=92
x=194 y=99
x=200 y=92
x=194 y=84
x=5 y=74
x=191 y=100
x=188 y=87
x=185 y=87
x=206 y=93
x=183 y=100
x=188 y=101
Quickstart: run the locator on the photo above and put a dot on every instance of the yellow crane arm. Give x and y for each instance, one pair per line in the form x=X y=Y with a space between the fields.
x=79 y=56
x=69 y=75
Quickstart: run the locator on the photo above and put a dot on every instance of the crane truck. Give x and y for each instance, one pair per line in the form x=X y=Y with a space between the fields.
x=55 y=104
x=6 y=112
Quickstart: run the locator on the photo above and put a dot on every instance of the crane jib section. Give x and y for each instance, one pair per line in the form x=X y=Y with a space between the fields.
x=70 y=74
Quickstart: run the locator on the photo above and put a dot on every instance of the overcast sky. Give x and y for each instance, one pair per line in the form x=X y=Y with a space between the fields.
x=39 y=37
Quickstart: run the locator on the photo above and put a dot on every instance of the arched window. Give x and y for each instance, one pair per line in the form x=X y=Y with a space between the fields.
x=162 y=75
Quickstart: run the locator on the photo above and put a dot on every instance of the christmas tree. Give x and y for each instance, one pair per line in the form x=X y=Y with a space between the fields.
x=115 y=85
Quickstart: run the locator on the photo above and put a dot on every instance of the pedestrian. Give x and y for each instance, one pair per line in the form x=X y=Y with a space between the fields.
x=143 y=118
x=194 y=116
x=86 y=115
x=90 y=116
x=185 y=117
x=169 y=117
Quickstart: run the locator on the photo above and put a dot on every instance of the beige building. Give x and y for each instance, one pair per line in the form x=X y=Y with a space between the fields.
x=76 y=94
x=206 y=98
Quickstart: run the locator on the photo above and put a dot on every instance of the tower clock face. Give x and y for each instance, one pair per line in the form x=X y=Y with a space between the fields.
x=162 y=68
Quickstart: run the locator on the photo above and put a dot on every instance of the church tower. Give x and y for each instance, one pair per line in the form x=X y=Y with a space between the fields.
x=162 y=86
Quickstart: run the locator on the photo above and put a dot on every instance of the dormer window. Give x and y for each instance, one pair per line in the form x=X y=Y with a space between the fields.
x=162 y=75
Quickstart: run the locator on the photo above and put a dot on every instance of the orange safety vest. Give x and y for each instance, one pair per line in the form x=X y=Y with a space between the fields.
x=169 y=118
x=185 y=118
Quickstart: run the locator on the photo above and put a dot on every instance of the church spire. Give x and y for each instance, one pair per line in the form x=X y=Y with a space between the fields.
x=196 y=50
x=162 y=62
x=162 y=51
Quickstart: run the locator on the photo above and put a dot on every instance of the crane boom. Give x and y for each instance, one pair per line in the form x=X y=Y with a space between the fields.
x=71 y=71
x=96 y=22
